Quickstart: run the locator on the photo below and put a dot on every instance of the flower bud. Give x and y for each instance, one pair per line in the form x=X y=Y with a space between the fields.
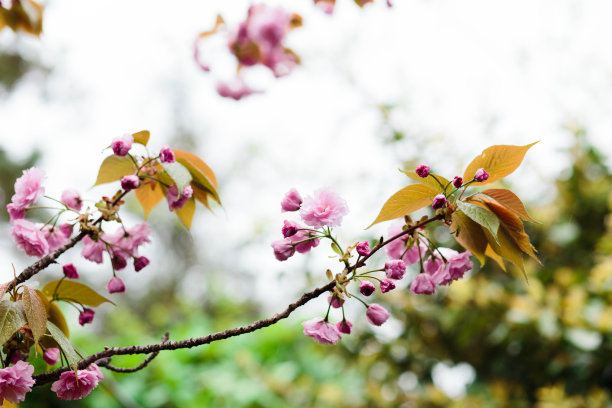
x=122 y=145
x=363 y=248
x=115 y=285
x=283 y=249
x=438 y=201
x=422 y=170
x=395 y=269
x=481 y=175
x=335 y=301
x=292 y=201
x=70 y=271
x=377 y=314
x=344 y=326
x=423 y=285
x=130 y=182
x=72 y=199
x=386 y=285
x=458 y=182
x=51 y=355
x=366 y=288
x=86 y=316
x=140 y=262
x=289 y=229
x=166 y=155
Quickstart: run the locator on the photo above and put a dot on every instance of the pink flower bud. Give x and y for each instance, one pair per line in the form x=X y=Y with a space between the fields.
x=51 y=355
x=115 y=285
x=86 y=316
x=386 y=285
x=438 y=201
x=344 y=326
x=166 y=155
x=174 y=201
x=481 y=175
x=122 y=145
x=423 y=284
x=72 y=199
x=422 y=171
x=140 y=262
x=289 y=229
x=130 y=182
x=70 y=271
x=458 y=182
x=119 y=262
x=292 y=201
x=363 y=248
x=366 y=288
x=335 y=301
x=377 y=314
x=283 y=249
x=321 y=331
x=395 y=269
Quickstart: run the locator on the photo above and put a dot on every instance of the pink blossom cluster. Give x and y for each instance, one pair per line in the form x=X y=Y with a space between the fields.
x=74 y=386
x=16 y=381
x=441 y=271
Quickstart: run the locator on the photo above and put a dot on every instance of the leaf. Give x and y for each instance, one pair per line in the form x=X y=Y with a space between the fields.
x=499 y=161
x=203 y=176
x=469 y=234
x=3 y=288
x=406 y=201
x=498 y=259
x=201 y=196
x=179 y=174
x=141 y=137
x=149 y=194
x=74 y=292
x=185 y=214
x=113 y=168
x=36 y=312
x=506 y=248
x=510 y=200
x=336 y=249
x=57 y=318
x=63 y=342
x=430 y=181
x=480 y=215
x=12 y=318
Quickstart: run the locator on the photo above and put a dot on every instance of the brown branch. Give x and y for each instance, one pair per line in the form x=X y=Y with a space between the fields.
x=106 y=362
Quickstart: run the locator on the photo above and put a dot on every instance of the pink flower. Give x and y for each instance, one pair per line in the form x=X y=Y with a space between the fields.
x=344 y=326
x=308 y=243
x=70 y=271
x=28 y=188
x=289 y=228
x=423 y=284
x=140 y=262
x=16 y=381
x=93 y=367
x=118 y=260
x=123 y=244
x=72 y=199
x=174 y=201
x=438 y=201
x=166 y=155
x=335 y=301
x=445 y=273
x=235 y=89
x=326 y=5
x=386 y=285
x=377 y=314
x=51 y=355
x=326 y=208
x=86 y=316
x=363 y=248
x=395 y=269
x=130 y=182
x=321 y=331
x=366 y=288
x=422 y=171
x=396 y=249
x=481 y=175
x=29 y=238
x=122 y=145
x=55 y=237
x=15 y=212
x=66 y=229
x=93 y=250
x=115 y=285
x=71 y=386
x=459 y=264
x=283 y=249
x=458 y=182
x=292 y=201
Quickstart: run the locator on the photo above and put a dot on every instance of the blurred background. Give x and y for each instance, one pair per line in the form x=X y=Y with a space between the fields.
x=427 y=81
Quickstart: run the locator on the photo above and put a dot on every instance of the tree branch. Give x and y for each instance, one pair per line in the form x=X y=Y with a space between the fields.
x=106 y=362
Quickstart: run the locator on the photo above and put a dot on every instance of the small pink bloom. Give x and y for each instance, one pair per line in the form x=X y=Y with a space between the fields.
x=438 y=201
x=366 y=288
x=326 y=5
x=118 y=260
x=395 y=269
x=445 y=273
x=29 y=238
x=422 y=171
x=307 y=244
x=335 y=301
x=283 y=249
x=86 y=316
x=363 y=248
x=93 y=367
x=51 y=355
x=93 y=250
x=236 y=89
x=166 y=155
x=459 y=264
x=122 y=145
x=292 y=201
x=28 y=188
x=130 y=182
x=115 y=285
x=66 y=229
x=481 y=175
x=16 y=381
x=344 y=326
x=72 y=199
x=140 y=262
x=396 y=249
x=70 y=271
x=325 y=208
x=423 y=284
x=289 y=228
x=321 y=331
x=15 y=212
x=386 y=285
x=174 y=201
x=55 y=237
x=71 y=386
x=458 y=182
x=377 y=314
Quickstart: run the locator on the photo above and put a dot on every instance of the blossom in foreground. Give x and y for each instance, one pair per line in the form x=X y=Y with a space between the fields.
x=292 y=201
x=335 y=301
x=456 y=266
x=423 y=284
x=366 y=288
x=283 y=249
x=422 y=171
x=93 y=250
x=29 y=238
x=16 y=381
x=363 y=248
x=344 y=326
x=70 y=271
x=130 y=182
x=121 y=145
x=140 y=263
x=174 y=201
x=397 y=249
x=289 y=229
x=458 y=182
x=115 y=285
x=377 y=314
x=72 y=199
x=166 y=155
x=395 y=269
x=481 y=175
x=28 y=187
x=56 y=237
x=324 y=208
x=74 y=386
x=321 y=331
x=86 y=317
x=308 y=242
x=386 y=285
x=51 y=355
x=438 y=201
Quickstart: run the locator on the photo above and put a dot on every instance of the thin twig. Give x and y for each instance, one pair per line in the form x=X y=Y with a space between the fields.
x=106 y=362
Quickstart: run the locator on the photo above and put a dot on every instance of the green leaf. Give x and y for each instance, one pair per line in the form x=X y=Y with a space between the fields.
x=74 y=292
x=179 y=174
x=36 y=312
x=12 y=318
x=113 y=168
x=336 y=249
x=57 y=318
x=406 y=201
x=481 y=216
x=431 y=181
x=141 y=137
x=499 y=161
x=63 y=342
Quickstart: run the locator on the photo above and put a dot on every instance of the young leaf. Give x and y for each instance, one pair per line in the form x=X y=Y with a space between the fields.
x=507 y=248
x=74 y=292
x=201 y=196
x=12 y=318
x=113 y=168
x=149 y=194
x=141 y=137
x=3 y=288
x=480 y=215
x=499 y=161
x=57 y=318
x=431 y=181
x=406 y=201
x=510 y=200
x=36 y=312
x=498 y=259
x=469 y=235
x=179 y=174
x=336 y=249
x=185 y=214
x=64 y=344
x=203 y=176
